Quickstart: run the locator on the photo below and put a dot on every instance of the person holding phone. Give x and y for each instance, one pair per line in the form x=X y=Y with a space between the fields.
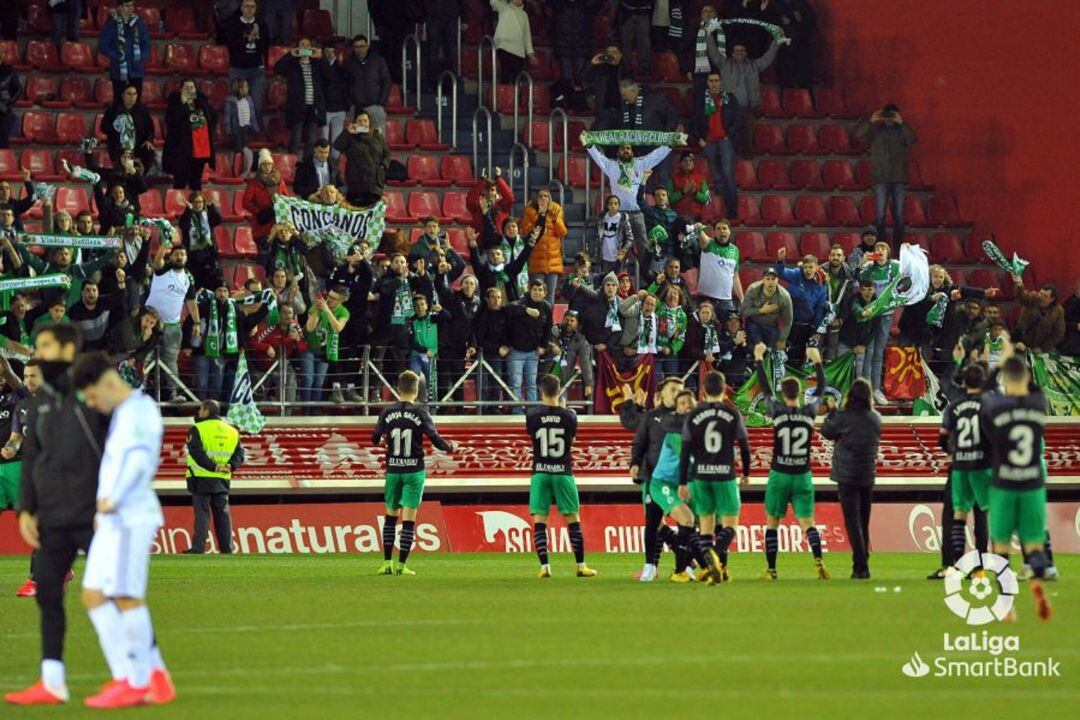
x=367 y=157
x=305 y=101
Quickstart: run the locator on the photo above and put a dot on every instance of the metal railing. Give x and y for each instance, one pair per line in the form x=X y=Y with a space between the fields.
x=562 y=192
x=279 y=385
x=486 y=40
x=476 y=141
x=588 y=186
x=517 y=97
x=453 y=107
x=460 y=43
x=558 y=112
x=404 y=69
x=524 y=170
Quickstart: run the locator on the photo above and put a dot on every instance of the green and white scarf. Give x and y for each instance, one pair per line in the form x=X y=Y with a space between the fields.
x=611 y=322
x=124 y=125
x=936 y=315
x=892 y=297
x=200 y=237
x=701 y=53
x=41 y=281
x=330 y=339
x=78 y=172
x=711 y=343
x=710 y=104
x=403 y=304
x=646 y=340
x=676 y=21
x=1016 y=266
x=212 y=346
x=85 y=242
x=634 y=137
x=776 y=31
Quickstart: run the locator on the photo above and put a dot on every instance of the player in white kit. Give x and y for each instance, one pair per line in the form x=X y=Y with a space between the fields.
x=128 y=518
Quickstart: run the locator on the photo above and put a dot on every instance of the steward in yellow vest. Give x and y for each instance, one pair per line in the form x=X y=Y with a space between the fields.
x=214 y=452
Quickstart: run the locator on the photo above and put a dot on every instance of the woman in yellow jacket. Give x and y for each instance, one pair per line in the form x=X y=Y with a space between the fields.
x=546 y=261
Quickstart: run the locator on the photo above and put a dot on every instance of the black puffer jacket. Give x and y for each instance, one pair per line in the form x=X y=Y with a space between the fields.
x=648 y=429
x=367 y=157
x=856 y=435
x=62 y=445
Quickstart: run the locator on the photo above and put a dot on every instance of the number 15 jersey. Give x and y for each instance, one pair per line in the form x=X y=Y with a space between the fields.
x=552 y=430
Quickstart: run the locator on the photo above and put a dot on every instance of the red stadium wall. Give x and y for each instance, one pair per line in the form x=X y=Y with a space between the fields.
x=990 y=87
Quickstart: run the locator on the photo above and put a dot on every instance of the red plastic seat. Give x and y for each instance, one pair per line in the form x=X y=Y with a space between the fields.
x=396 y=211
x=317 y=24
x=540 y=139
x=576 y=173
x=453 y=207
x=41 y=55
x=918 y=238
x=224 y=170
x=776 y=240
x=423 y=204
x=38 y=19
x=810 y=210
x=10 y=170
x=944 y=210
x=422 y=132
x=215 y=91
x=802 y=139
x=71 y=128
x=666 y=67
x=243 y=271
x=798 y=103
x=152 y=17
x=750 y=275
x=425 y=169
x=39 y=162
x=72 y=199
x=244 y=242
x=39 y=127
x=276 y=90
x=839 y=175
x=776 y=210
x=152 y=95
x=973 y=248
x=459 y=243
x=181 y=59
x=816 y=244
x=752 y=246
x=223 y=239
x=769 y=139
x=458 y=170
x=103 y=91
x=749 y=212
x=868 y=211
x=79 y=92
x=806 y=174
x=773 y=173
x=862 y=173
x=175 y=200
x=914 y=212
x=746 y=176
x=13 y=54
x=831 y=103
x=984 y=278
x=834 y=139
x=395 y=135
x=41 y=89
x=396 y=105
x=275 y=53
x=235 y=208
x=214 y=59
x=181 y=22
x=150 y=204
x=847 y=240
x=770 y=104
x=78 y=57
x=844 y=212
x=155 y=64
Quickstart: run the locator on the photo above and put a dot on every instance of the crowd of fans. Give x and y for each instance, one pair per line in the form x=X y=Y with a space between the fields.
x=318 y=319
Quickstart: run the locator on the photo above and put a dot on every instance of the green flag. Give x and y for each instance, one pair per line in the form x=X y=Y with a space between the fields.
x=243 y=412
x=1058 y=376
x=933 y=400
x=839 y=374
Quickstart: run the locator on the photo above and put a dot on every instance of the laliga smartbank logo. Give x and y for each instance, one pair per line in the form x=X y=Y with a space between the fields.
x=980 y=598
x=976 y=603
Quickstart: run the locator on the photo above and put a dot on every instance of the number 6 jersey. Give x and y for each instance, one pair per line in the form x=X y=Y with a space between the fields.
x=552 y=430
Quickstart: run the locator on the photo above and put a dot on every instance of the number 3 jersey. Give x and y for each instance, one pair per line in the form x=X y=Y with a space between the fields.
x=552 y=430
x=1013 y=434
x=404 y=425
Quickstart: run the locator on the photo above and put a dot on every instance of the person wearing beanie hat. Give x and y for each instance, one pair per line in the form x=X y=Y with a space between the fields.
x=569 y=350
x=598 y=312
x=259 y=195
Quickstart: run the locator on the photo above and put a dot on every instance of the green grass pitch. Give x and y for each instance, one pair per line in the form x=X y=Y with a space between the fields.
x=478 y=636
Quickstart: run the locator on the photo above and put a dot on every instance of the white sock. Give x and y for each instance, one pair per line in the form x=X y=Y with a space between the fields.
x=110 y=631
x=140 y=636
x=52 y=673
x=156 y=661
